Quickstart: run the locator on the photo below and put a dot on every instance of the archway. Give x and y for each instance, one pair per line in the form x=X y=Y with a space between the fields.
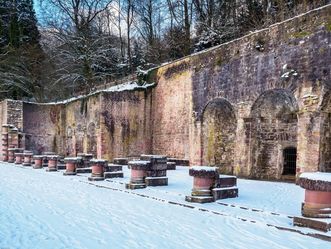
x=273 y=129
x=218 y=135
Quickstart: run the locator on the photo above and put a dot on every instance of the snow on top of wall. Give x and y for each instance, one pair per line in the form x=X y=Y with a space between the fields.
x=205 y=168
x=242 y=37
x=128 y=86
x=317 y=176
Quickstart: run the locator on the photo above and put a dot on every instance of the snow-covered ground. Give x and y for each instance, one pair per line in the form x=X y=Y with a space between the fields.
x=41 y=209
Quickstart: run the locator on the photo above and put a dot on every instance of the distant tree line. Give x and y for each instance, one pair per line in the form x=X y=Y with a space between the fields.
x=81 y=44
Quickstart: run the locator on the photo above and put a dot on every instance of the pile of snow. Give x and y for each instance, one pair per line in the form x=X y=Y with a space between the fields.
x=317 y=176
x=205 y=168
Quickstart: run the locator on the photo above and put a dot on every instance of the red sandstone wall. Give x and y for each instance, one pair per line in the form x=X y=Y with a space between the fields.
x=172 y=113
x=43 y=125
x=125 y=124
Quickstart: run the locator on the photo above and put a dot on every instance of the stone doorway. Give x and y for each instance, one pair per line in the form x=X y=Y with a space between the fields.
x=290 y=161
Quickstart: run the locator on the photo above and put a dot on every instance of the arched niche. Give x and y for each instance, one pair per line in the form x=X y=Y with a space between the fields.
x=218 y=135
x=272 y=129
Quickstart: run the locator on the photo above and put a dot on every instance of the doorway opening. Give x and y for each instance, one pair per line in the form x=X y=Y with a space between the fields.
x=290 y=161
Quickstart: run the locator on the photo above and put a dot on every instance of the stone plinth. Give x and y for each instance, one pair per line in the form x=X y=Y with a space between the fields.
x=38 y=161
x=113 y=171
x=98 y=166
x=71 y=165
x=45 y=160
x=19 y=158
x=204 y=179
x=85 y=160
x=5 y=145
x=138 y=174
x=179 y=162
x=156 y=175
x=317 y=201
x=27 y=158
x=316 y=207
x=121 y=161
x=52 y=161
x=11 y=154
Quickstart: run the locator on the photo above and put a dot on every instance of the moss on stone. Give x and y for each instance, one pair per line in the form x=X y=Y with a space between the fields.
x=301 y=34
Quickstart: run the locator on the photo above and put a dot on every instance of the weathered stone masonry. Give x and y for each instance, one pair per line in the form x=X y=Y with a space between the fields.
x=240 y=106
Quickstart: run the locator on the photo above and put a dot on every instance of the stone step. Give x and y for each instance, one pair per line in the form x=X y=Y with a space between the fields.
x=135 y=185
x=223 y=193
x=156 y=181
x=117 y=174
x=199 y=199
x=321 y=224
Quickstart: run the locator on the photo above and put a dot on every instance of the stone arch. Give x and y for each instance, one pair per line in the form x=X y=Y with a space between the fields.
x=272 y=128
x=218 y=135
x=325 y=136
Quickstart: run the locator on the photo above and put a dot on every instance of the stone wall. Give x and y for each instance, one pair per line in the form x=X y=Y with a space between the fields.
x=237 y=106
x=292 y=57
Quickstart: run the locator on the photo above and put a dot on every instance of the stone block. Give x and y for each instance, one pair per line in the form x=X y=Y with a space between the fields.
x=113 y=168
x=171 y=166
x=121 y=161
x=96 y=178
x=118 y=174
x=156 y=181
x=156 y=173
x=223 y=193
x=179 y=162
x=159 y=166
x=83 y=170
x=226 y=181
x=69 y=173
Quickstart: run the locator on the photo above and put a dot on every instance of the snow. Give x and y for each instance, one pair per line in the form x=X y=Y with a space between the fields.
x=205 y=168
x=53 y=211
x=321 y=176
x=128 y=86
x=139 y=162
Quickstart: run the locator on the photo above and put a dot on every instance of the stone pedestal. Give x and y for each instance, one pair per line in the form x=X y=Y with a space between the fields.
x=156 y=175
x=11 y=154
x=71 y=165
x=316 y=207
x=98 y=166
x=27 y=158
x=52 y=161
x=5 y=145
x=19 y=158
x=85 y=160
x=138 y=174
x=46 y=154
x=38 y=161
x=13 y=137
x=113 y=171
x=204 y=180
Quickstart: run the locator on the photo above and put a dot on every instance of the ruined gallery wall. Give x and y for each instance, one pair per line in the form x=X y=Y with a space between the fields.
x=107 y=124
x=293 y=56
x=43 y=127
x=125 y=120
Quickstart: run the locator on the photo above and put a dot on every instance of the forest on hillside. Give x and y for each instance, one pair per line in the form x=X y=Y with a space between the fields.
x=63 y=47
